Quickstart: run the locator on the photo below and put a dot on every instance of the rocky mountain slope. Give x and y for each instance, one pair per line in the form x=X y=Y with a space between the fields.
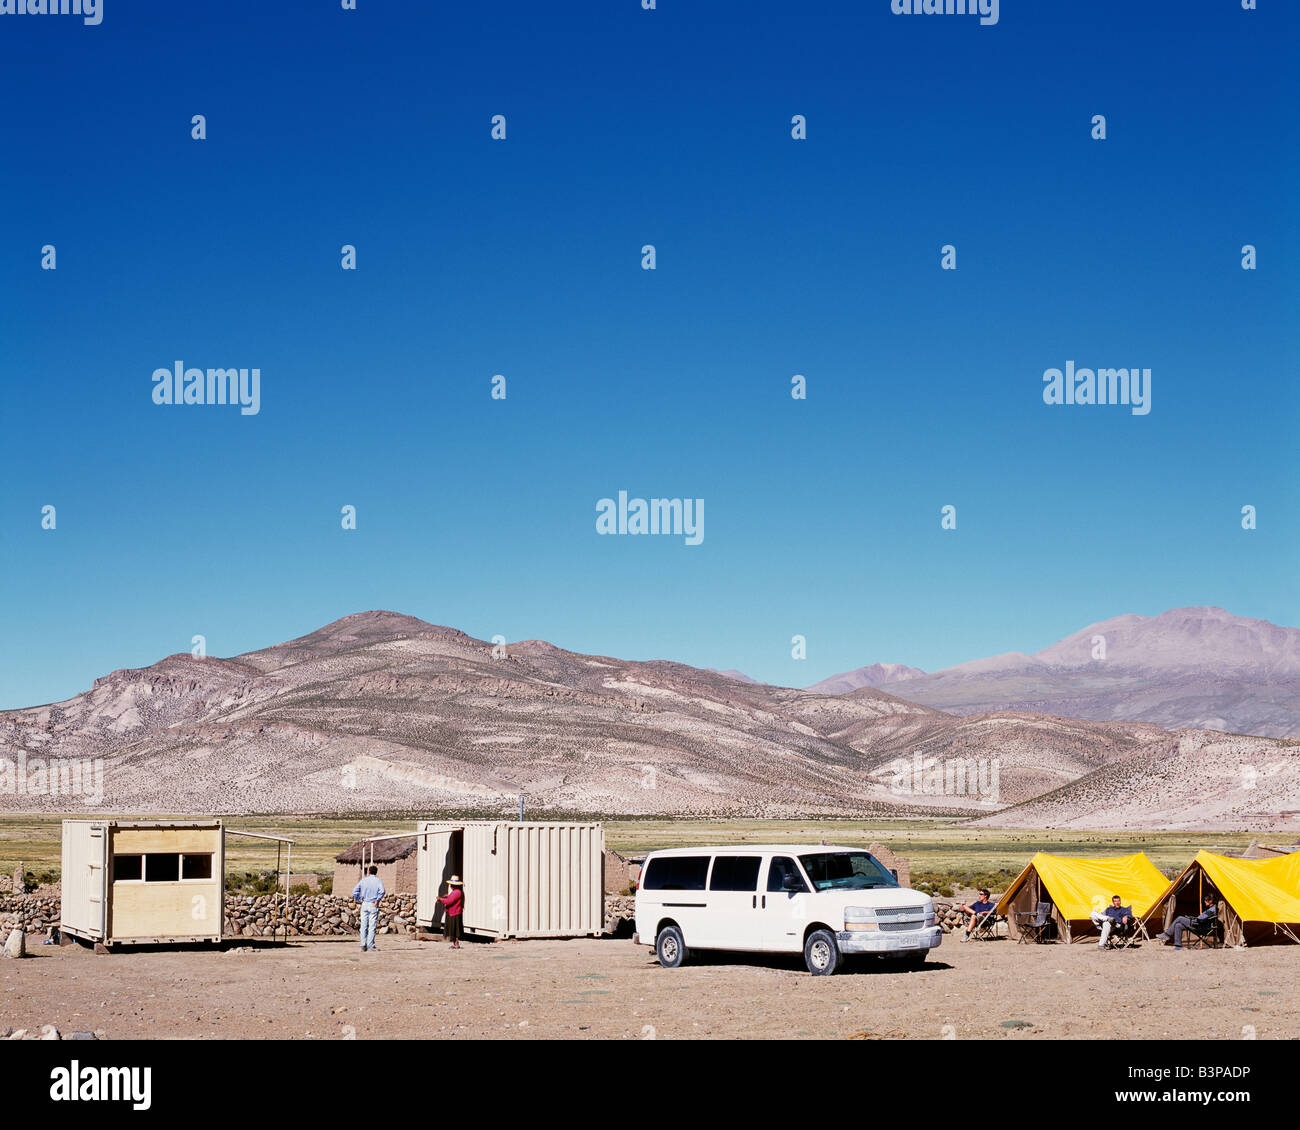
x=1189 y=668
x=380 y=711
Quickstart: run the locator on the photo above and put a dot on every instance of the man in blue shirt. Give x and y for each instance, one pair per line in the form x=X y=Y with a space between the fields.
x=368 y=892
x=980 y=907
x=1114 y=915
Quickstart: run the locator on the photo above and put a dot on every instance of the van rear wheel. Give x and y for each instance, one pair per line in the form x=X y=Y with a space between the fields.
x=821 y=953
x=670 y=948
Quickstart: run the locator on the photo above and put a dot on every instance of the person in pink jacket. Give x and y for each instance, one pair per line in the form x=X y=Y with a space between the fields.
x=454 y=901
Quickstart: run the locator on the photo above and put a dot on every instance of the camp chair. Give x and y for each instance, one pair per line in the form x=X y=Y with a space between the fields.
x=1034 y=926
x=1121 y=937
x=986 y=926
x=1203 y=935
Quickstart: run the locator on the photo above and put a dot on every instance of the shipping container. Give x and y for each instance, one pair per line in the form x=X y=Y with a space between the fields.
x=522 y=879
x=143 y=881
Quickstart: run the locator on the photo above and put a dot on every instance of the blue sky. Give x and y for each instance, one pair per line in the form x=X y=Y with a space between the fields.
x=522 y=257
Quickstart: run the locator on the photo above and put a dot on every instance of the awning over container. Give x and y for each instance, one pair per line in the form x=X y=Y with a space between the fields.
x=1259 y=899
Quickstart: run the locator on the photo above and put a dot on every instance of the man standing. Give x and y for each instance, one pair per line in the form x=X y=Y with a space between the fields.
x=368 y=892
x=1200 y=924
x=1114 y=915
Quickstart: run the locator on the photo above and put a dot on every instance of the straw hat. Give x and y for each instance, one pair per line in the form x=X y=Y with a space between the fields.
x=454 y=881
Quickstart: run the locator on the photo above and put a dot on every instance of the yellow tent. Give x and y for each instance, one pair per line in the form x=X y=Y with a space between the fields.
x=1259 y=899
x=1077 y=887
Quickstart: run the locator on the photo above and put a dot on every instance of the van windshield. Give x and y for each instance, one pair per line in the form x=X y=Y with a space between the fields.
x=846 y=871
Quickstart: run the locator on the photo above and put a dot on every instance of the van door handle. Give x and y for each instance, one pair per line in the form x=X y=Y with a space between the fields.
x=765 y=902
x=754 y=902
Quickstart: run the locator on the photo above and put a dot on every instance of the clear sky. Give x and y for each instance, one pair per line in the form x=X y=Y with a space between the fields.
x=522 y=257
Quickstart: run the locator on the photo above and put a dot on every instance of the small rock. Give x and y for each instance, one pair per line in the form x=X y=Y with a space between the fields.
x=16 y=944
x=18 y=1034
x=49 y=1032
x=81 y=1036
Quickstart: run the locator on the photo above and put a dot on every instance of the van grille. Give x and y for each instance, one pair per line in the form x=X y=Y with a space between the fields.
x=895 y=918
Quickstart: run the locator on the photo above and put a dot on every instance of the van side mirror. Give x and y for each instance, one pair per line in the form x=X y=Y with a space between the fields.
x=792 y=883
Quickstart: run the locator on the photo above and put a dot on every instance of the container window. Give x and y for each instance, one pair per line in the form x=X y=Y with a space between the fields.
x=676 y=873
x=196 y=866
x=162 y=867
x=735 y=873
x=128 y=868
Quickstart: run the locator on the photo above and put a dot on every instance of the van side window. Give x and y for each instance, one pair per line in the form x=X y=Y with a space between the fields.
x=675 y=873
x=735 y=873
x=778 y=869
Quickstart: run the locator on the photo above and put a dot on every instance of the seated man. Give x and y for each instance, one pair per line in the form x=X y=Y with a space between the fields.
x=976 y=910
x=1200 y=924
x=1114 y=915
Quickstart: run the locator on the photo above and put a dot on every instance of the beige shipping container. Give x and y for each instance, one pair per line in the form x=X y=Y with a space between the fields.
x=522 y=879
x=143 y=881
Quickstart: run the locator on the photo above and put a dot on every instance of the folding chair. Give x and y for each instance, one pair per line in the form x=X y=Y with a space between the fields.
x=1203 y=935
x=986 y=926
x=1034 y=926
x=1121 y=937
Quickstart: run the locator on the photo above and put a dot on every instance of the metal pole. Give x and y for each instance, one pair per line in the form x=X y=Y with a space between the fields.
x=521 y=808
x=287 y=880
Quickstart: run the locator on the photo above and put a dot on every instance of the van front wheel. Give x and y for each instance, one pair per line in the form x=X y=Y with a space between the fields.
x=670 y=949
x=821 y=954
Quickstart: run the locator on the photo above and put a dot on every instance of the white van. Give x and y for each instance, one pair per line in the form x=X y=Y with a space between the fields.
x=824 y=902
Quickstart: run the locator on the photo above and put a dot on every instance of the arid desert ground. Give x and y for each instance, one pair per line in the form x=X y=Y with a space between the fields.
x=613 y=989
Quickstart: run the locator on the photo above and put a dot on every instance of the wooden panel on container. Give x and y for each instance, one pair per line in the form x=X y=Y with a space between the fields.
x=129 y=841
x=165 y=910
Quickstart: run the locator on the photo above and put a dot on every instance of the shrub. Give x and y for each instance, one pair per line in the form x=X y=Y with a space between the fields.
x=252 y=883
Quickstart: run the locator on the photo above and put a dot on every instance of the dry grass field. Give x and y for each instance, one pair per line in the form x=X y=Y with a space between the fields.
x=941 y=847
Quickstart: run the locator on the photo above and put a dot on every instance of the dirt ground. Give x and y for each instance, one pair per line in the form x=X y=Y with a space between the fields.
x=611 y=989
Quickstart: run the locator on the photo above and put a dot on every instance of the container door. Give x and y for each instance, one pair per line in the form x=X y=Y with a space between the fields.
x=97 y=878
x=438 y=853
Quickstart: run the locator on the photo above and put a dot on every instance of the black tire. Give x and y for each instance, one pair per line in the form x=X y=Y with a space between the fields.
x=821 y=953
x=670 y=947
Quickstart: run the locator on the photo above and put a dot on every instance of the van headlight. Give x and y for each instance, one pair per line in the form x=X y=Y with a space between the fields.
x=860 y=918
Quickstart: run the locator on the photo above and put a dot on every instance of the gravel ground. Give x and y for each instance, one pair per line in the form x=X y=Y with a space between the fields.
x=612 y=989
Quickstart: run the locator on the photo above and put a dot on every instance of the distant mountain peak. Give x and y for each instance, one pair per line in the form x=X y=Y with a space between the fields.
x=875 y=675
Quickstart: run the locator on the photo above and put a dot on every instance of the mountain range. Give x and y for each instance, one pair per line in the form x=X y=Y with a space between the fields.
x=1199 y=668
x=382 y=712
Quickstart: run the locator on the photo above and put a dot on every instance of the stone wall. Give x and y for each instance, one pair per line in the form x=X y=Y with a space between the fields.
x=250 y=916
x=247 y=916
x=33 y=913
